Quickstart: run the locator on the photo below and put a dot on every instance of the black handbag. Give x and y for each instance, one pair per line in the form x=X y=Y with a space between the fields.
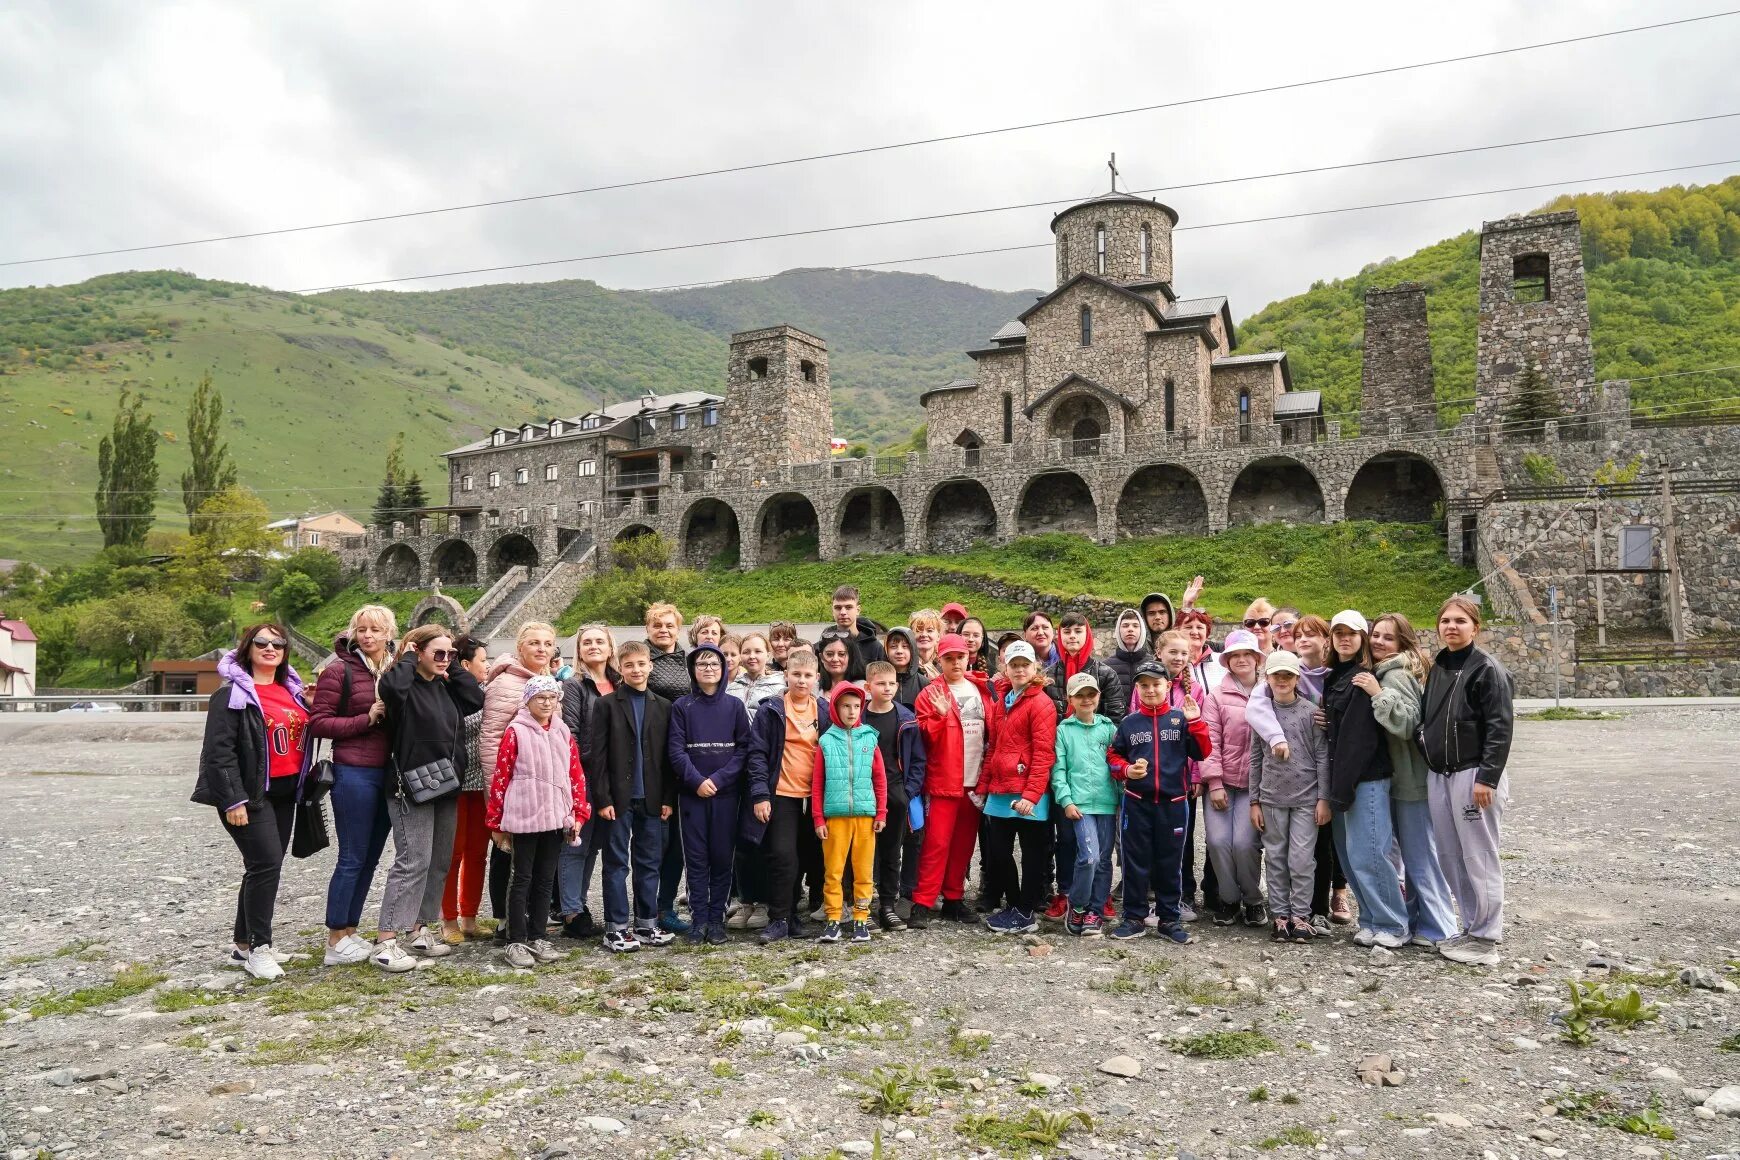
x=308 y=835
x=321 y=775
x=431 y=780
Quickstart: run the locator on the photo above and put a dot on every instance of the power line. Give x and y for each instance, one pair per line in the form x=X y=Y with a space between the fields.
x=1183 y=102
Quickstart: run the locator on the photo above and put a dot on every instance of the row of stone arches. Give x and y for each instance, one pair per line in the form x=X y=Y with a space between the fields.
x=454 y=563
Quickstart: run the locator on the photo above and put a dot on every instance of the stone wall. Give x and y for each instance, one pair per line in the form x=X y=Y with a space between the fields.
x=1077 y=247
x=1101 y=613
x=780 y=416
x=1262 y=380
x=1395 y=381
x=1551 y=335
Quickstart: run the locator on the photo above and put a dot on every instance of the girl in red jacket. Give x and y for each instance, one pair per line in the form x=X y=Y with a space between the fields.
x=958 y=718
x=1016 y=791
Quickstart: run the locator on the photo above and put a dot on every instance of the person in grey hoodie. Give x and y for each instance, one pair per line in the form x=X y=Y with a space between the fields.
x=1130 y=647
x=1290 y=800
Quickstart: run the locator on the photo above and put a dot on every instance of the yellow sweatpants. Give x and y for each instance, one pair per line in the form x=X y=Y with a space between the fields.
x=859 y=836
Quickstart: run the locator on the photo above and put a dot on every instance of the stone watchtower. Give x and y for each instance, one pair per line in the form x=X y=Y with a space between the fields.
x=1534 y=311
x=1395 y=378
x=1117 y=236
x=778 y=408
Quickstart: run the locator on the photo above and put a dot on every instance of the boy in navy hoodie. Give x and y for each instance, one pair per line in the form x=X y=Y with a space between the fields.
x=709 y=744
x=902 y=748
x=1151 y=755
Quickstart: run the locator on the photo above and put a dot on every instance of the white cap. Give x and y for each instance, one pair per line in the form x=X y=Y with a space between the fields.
x=1020 y=651
x=1240 y=640
x=1349 y=618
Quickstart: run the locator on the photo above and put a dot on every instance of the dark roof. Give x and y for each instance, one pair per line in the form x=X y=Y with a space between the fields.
x=952 y=385
x=1297 y=404
x=1012 y=331
x=1072 y=380
x=1098 y=281
x=1204 y=307
x=1116 y=199
x=1267 y=356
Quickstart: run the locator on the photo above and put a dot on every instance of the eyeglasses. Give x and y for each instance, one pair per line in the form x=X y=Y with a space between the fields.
x=442 y=654
x=1278 y=625
x=1258 y=622
x=261 y=642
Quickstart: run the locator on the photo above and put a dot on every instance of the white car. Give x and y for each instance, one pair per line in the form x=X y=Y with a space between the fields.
x=92 y=707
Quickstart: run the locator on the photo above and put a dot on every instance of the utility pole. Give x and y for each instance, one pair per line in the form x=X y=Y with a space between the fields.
x=1671 y=556
x=1600 y=583
x=1553 y=603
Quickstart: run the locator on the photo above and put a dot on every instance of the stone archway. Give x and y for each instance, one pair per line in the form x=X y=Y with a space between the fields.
x=709 y=535
x=1396 y=486
x=398 y=567
x=789 y=530
x=1081 y=423
x=455 y=563
x=1057 y=501
x=1162 y=499
x=511 y=551
x=1275 y=489
x=959 y=515
x=871 y=521
x=439 y=608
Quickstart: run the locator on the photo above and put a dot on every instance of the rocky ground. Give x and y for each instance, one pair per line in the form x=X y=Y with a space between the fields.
x=124 y=1036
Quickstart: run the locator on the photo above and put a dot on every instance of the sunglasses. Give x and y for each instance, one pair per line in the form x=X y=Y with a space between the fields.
x=261 y=642
x=1258 y=622
x=442 y=654
x=1278 y=625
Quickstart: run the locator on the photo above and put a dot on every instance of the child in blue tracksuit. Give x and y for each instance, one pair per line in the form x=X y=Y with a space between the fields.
x=1156 y=742
x=708 y=740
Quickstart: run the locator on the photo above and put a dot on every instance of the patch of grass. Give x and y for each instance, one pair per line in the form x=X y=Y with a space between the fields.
x=471 y=978
x=329 y=990
x=1604 y=1110
x=725 y=1069
x=1295 y=1135
x=1037 y=1132
x=762 y=1118
x=1290 y=1099
x=891 y=1092
x=1200 y=992
x=203 y=1019
x=128 y=981
x=195 y=1042
x=428 y=1057
x=465 y=1123
x=556 y=1004
x=1568 y=713
x=968 y=1046
x=730 y=1037
x=311 y=1049
x=1223 y=1045
x=1732 y=1043
x=1258 y=1094
x=187 y=998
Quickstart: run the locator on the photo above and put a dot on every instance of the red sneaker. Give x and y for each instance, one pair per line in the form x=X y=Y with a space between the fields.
x=1058 y=908
x=1110 y=911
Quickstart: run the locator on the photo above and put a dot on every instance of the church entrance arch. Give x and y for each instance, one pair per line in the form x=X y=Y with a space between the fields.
x=1162 y=499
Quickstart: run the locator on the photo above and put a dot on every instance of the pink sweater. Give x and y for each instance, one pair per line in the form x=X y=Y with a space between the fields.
x=1229 y=766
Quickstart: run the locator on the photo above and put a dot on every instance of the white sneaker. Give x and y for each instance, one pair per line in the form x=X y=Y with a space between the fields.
x=819 y=914
x=239 y=957
x=1389 y=941
x=1421 y=940
x=1475 y=952
x=758 y=917
x=1152 y=919
x=1365 y=937
x=519 y=955
x=391 y=958
x=545 y=952
x=737 y=918
x=263 y=964
x=430 y=944
x=347 y=950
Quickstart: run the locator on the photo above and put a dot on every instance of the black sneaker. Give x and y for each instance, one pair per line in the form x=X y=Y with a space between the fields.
x=653 y=936
x=1256 y=914
x=500 y=937
x=695 y=936
x=860 y=931
x=581 y=926
x=1226 y=913
x=1075 y=922
x=796 y=925
x=776 y=931
x=1302 y=931
x=830 y=932
x=716 y=934
x=919 y=919
x=888 y=920
x=1281 y=933
x=950 y=911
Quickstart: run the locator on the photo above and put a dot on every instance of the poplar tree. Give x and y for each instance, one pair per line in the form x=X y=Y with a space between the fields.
x=127 y=474
x=213 y=471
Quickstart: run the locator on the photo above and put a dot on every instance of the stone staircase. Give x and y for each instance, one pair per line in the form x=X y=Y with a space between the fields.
x=543 y=597
x=486 y=628
x=1488 y=478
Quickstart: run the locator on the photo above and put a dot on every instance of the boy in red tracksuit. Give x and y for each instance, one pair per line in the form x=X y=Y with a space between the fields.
x=1151 y=754
x=958 y=717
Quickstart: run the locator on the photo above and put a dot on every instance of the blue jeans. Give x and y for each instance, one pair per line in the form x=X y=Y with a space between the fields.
x=635 y=840
x=1431 y=908
x=1363 y=838
x=1091 y=873
x=574 y=868
x=359 y=818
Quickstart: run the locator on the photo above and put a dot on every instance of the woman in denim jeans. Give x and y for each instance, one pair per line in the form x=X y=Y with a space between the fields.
x=353 y=721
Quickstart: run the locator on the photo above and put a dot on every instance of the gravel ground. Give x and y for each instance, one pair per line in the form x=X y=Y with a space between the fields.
x=123 y=1035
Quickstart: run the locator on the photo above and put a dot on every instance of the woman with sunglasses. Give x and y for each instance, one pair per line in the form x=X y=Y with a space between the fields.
x=1259 y=618
x=428 y=696
x=250 y=767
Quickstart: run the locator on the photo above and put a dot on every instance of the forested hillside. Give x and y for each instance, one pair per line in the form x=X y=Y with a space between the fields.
x=1664 y=296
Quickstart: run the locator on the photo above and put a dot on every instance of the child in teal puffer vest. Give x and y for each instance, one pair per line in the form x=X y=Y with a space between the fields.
x=849 y=801
x=1081 y=781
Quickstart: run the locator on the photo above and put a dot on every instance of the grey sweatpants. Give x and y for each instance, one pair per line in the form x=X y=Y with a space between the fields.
x=1290 y=859
x=1234 y=847
x=1468 y=849
x=422 y=851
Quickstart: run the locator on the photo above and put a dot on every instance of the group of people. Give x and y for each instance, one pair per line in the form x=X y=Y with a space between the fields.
x=772 y=782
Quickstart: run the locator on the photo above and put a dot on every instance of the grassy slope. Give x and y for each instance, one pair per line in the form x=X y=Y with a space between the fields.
x=1664 y=296
x=330 y=619
x=311 y=398
x=1374 y=567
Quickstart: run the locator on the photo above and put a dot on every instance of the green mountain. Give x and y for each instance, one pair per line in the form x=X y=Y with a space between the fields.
x=1663 y=273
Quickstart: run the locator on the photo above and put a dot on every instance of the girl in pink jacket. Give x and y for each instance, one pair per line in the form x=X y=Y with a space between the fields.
x=1234 y=846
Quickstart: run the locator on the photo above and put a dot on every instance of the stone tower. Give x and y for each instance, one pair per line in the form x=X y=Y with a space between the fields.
x=1395 y=378
x=1119 y=236
x=1534 y=311
x=778 y=409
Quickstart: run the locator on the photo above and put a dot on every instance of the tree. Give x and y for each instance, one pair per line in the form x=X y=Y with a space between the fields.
x=389 y=503
x=213 y=471
x=232 y=540
x=127 y=474
x=1532 y=403
x=56 y=647
x=318 y=564
x=411 y=497
x=135 y=627
x=212 y=613
x=294 y=596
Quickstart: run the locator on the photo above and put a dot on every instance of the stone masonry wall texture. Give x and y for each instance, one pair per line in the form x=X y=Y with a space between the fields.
x=1395 y=381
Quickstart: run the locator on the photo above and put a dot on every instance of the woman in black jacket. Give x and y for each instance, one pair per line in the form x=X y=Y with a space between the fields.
x=250 y=769
x=1359 y=785
x=1466 y=718
x=428 y=696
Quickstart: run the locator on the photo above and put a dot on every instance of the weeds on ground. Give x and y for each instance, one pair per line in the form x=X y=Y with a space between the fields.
x=1296 y=1135
x=762 y=1118
x=273 y=1051
x=1223 y=1044
x=1200 y=992
x=187 y=998
x=333 y=989
x=968 y=1046
x=725 y=1069
x=1036 y=1132
x=1258 y=1094
x=1604 y=1110
x=1569 y=713
x=428 y=1057
x=128 y=981
x=1592 y=1005
x=471 y=978
x=896 y=1091
x=1732 y=1043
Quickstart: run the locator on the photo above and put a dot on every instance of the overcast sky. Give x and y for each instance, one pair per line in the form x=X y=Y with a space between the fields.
x=124 y=123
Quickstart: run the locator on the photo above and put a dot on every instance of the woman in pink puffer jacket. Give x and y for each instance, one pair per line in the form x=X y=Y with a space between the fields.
x=1234 y=846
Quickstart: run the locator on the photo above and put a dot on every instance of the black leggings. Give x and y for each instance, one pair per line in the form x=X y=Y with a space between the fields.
x=792 y=850
x=535 y=857
x=1328 y=871
x=1000 y=836
x=262 y=843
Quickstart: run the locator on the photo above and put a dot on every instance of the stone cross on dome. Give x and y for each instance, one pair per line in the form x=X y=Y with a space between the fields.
x=1113 y=166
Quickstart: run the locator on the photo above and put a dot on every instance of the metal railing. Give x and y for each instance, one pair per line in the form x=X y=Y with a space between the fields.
x=129 y=702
